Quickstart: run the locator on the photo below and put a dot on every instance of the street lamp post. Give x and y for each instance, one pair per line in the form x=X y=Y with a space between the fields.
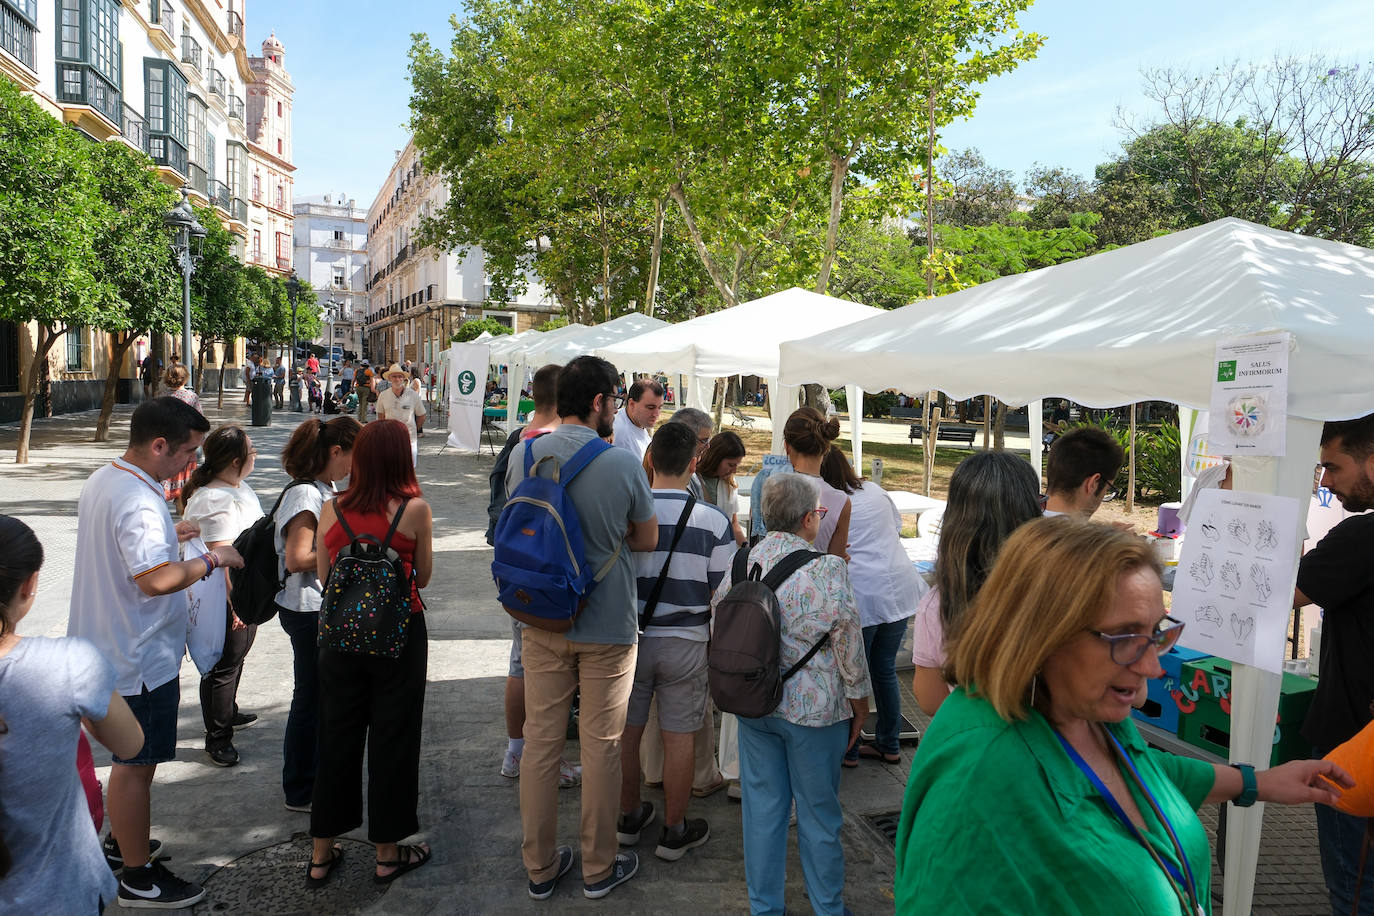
x=188 y=234
x=293 y=290
x=331 y=310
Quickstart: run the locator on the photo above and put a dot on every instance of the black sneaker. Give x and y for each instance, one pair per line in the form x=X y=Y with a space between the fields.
x=223 y=755
x=673 y=846
x=544 y=889
x=243 y=720
x=625 y=868
x=154 y=887
x=115 y=860
x=628 y=827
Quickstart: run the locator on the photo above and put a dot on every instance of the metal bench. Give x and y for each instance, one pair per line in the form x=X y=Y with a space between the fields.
x=962 y=435
x=740 y=418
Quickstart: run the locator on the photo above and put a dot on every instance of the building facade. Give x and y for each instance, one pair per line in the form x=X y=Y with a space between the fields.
x=270 y=96
x=417 y=297
x=171 y=78
x=331 y=255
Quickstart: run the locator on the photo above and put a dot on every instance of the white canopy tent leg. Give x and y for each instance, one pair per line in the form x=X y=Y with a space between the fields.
x=700 y=389
x=1035 y=432
x=1187 y=420
x=1255 y=693
x=515 y=377
x=854 y=397
x=680 y=395
x=782 y=400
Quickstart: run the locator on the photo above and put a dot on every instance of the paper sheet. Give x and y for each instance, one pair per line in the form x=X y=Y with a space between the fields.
x=1233 y=588
x=1249 y=412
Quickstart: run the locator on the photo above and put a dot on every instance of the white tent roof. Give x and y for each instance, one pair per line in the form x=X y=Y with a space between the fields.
x=521 y=352
x=1137 y=323
x=509 y=342
x=566 y=348
x=736 y=341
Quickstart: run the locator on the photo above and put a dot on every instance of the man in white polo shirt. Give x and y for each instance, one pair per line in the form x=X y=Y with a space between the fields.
x=127 y=599
x=634 y=423
x=401 y=402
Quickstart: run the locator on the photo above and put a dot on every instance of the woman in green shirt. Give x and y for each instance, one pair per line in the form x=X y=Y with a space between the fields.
x=1032 y=791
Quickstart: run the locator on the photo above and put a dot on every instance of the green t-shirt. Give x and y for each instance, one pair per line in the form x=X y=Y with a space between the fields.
x=998 y=819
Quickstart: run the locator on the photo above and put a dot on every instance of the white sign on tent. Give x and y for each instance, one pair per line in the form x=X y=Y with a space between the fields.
x=1249 y=409
x=467 y=366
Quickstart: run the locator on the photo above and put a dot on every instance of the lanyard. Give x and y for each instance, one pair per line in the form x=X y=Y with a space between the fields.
x=1178 y=880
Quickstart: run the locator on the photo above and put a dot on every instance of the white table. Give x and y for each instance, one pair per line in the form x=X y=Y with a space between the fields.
x=909 y=503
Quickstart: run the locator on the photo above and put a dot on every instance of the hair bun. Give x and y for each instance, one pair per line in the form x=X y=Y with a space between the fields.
x=829 y=428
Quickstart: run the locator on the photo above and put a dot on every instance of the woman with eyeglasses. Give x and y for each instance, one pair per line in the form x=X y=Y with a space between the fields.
x=1033 y=792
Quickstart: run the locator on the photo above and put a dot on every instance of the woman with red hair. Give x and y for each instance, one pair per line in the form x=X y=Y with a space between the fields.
x=373 y=700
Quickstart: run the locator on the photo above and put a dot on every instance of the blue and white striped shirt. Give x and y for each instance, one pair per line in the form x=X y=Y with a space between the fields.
x=701 y=560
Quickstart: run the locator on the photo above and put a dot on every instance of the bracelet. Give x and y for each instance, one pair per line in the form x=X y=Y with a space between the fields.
x=209 y=559
x=1249 y=792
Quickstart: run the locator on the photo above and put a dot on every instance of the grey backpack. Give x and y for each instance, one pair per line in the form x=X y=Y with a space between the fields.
x=744 y=661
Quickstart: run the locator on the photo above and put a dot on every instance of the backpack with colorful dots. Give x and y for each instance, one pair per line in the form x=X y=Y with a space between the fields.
x=365 y=608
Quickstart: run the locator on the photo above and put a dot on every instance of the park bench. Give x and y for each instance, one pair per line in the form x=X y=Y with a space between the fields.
x=963 y=435
x=906 y=413
x=740 y=418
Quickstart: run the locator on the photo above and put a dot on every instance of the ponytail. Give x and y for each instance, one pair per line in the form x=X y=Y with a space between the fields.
x=307 y=452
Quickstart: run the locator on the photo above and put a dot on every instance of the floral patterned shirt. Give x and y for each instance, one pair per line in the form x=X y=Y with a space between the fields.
x=815 y=600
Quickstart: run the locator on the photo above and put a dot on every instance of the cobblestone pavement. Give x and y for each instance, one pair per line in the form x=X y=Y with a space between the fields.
x=228 y=827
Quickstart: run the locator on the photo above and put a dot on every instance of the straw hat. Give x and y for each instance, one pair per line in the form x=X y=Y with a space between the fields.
x=396 y=370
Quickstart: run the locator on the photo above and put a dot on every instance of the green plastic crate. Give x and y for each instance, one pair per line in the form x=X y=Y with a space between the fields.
x=1206 y=686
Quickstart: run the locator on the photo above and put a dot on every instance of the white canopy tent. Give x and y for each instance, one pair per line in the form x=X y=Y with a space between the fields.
x=1141 y=323
x=743 y=340
x=514 y=356
x=562 y=349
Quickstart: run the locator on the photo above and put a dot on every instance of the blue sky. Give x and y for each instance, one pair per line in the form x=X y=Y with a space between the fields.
x=347 y=59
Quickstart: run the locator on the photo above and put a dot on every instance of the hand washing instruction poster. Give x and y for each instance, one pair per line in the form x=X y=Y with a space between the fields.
x=1235 y=576
x=1249 y=410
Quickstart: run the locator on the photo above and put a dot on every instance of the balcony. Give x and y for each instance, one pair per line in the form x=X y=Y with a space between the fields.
x=283 y=263
x=82 y=85
x=218 y=192
x=135 y=129
x=236 y=25
x=215 y=80
x=236 y=107
x=238 y=210
x=17 y=30
x=198 y=180
x=341 y=244
x=191 y=52
x=165 y=150
x=161 y=14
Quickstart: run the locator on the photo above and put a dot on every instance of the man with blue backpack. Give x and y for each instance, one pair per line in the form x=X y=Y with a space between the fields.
x=581 y=621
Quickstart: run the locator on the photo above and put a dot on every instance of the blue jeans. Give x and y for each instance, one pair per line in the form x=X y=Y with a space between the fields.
x=300 y=747
x=781 y=762
x=881 y=642
x=1340 y=837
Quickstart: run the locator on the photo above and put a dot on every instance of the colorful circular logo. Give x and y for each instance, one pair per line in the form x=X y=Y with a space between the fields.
x=467 y=382
x=1200 y=457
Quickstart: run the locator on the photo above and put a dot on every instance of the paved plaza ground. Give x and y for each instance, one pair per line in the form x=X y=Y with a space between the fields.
x=228 y=828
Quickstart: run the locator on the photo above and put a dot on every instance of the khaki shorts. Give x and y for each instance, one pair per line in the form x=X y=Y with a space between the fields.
x=674 y=670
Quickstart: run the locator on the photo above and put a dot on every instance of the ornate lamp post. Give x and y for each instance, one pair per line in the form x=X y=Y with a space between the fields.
x=293 y=291
x=328 y=315
x=188 y=234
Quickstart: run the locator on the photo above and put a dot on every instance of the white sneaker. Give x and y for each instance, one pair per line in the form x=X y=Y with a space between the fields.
x=510 y=765
x=569 y=775
x=733 y=790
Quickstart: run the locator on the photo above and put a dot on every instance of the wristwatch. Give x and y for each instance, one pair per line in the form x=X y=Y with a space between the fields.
x=1249 y=792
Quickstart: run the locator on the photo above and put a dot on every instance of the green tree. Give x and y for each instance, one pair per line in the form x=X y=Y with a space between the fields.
x=471 y=330
x=50 y=211
x=133 y=254
x=220 y=300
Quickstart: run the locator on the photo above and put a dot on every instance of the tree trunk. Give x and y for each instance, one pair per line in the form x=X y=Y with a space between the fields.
x=930 y=199
x=1130 y=467
x=712 y=268
x=224 y=359
x=655 y=253
x=839 y=169
x=107 y=401
x=46 y=338
x=987 y=419
x=605 y=281
x=999 y=430
x=816 y=396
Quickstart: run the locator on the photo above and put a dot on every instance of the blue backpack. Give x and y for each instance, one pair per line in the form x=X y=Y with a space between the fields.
x=540 y=566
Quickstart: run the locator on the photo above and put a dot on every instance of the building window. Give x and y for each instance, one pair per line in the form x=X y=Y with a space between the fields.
x=281 y=196
x=78 y=353
x=236 y=168
x=87 y=53
x=278 y=146
x=338 y=278
x=283 y=250
x=338 y=235
x=18 y=25
x=195 y=135
x=279 y=109
x=257 y=186
x=167 y=108
x=257 y=244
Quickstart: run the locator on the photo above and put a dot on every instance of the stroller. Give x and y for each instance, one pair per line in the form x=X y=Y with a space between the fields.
x=312 y=385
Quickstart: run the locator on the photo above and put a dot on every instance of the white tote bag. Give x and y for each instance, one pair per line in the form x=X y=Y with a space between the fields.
x=206 y=613
x=729 y=746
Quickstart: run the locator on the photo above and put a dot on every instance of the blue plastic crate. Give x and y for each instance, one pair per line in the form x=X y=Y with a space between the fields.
x=1160 y=709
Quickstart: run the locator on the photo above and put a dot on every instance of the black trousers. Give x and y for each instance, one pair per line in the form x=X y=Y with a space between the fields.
x=378 y=703
x=219 y=686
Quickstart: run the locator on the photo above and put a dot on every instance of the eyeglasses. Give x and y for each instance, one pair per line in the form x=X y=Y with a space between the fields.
x=619 y=400
x=820 y=511
x=1129 y=648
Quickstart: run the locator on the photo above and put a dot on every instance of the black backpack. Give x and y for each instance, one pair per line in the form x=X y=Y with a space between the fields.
x=744 y=661
x=256 y=585
x=365 y=606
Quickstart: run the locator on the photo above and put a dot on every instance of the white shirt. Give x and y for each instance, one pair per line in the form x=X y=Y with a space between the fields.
x=302 y=590
x=347 y=373
x=886 y=584
x=223 y=512
x=404 y=407
x=123 y=530
x=633 y=439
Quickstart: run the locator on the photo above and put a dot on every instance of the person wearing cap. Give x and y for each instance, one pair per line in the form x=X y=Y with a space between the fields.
x=401 y=402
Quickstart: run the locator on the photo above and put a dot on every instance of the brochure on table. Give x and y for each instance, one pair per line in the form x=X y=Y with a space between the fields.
x=1249 y=410
x=1233 y=585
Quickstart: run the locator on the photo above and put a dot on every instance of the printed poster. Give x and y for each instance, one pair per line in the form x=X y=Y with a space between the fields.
x=1249 y=408
x=1234 y=584
x=467 y=370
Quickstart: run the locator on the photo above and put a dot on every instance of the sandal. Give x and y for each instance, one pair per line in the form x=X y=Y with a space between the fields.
x=408 y=862
x=869 y=752
x=848 y=763
x=311 y=880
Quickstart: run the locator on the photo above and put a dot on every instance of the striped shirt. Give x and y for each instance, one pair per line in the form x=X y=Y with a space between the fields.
x=701 y=560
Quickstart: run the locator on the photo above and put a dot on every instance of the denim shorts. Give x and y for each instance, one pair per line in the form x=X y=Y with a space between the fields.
x=156 y=711
x=517 y=667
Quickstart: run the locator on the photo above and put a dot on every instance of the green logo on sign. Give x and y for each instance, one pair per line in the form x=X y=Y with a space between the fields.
x=466 y=382
x=1226 y=371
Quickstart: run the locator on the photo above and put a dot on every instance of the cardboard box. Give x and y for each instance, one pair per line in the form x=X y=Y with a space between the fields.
x=1205 y=710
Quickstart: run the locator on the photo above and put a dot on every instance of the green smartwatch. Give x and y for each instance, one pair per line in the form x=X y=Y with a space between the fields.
x=1249 y=792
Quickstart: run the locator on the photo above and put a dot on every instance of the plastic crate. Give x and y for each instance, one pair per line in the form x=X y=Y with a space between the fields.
x=1205 y=710
x=1161 y=701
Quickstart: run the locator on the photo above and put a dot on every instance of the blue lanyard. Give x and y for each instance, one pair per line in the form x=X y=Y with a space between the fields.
x=1185 y=879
